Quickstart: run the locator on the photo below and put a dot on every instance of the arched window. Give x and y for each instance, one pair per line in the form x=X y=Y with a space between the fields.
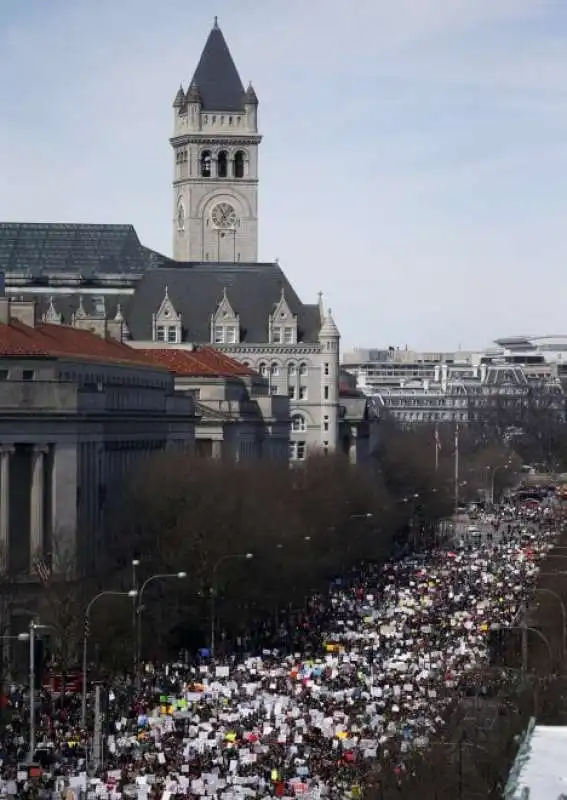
x=292 y=370
x=274 y=370
x=263 y=369
x=239 y=159
x=222 y=164
x=298 y=424
x=303 y=370
x=206 y=164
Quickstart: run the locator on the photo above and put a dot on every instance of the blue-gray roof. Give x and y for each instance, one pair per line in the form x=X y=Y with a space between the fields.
x=40 y=248
x=216 y=76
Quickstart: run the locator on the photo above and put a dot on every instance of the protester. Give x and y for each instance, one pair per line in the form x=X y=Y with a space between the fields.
x=368 y=672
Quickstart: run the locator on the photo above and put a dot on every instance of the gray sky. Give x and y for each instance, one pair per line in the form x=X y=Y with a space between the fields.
x=414 y=166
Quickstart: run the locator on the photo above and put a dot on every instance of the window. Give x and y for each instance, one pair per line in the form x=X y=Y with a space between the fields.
x=230 y=335
x=263 y=369
x=28 y=374
x=276 y=335
x=3 y=374
x=288 y=336
x=297 y=451
x=326 y=423
x=303 y=370
x=325 y=368
x=160 y=333
x=298 y=424
x=222 y=164
x=303 y=392
x=172 y=334
x=239 y=164
x=292 y=370
x=325 y=448
x=219 y=334
x=206 y=161
x=292 y=392
x=326 y=393
x=274 y=370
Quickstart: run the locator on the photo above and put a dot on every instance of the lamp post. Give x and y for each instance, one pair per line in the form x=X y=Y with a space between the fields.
x=107 y=593
x=545 y=590
x=525 y=629
x=34 y=626
x=214 y=587
x=135 y=565
x=139 y=609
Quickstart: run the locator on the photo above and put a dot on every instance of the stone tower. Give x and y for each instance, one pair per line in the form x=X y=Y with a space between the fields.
x=329 y=338
x=215 y=150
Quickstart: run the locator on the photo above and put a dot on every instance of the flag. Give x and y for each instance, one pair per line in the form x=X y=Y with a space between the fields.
x=42 y=570
x=437 y=439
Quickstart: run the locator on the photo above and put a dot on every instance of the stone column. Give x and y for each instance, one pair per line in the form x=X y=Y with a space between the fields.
x=37 y=505
x=5 y=455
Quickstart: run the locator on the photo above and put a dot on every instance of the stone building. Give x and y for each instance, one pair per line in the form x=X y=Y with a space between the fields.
x=77 y=413
x=214 y=291
x=238 y=419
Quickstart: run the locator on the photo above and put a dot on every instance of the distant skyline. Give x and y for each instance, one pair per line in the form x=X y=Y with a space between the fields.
x=414 y=163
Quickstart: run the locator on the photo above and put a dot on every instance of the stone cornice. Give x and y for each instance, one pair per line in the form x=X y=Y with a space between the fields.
x=271 y=349
x=211 y=139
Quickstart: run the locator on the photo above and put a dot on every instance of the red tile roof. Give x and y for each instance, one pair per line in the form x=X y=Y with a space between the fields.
x=55 y=341
x=19 y=340
x=202 y=362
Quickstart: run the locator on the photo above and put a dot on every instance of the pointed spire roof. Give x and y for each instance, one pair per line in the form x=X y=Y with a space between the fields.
x=251 y=96
x=217 y=77
x=179 y=98
x=329 y=328
x=193 y=94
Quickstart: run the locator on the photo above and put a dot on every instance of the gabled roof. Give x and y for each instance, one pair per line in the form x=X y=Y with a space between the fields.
x=54 y=341
x=39 y=248
x=216 y=76
x=203 y=362
x=196 y=289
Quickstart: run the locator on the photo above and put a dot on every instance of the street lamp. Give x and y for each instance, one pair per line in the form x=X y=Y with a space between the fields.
x=139 y=609
x=30 y=637
x=107 y=593
x=214 y=587
x=135 y=565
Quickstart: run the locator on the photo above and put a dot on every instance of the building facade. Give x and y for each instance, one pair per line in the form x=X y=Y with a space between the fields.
x=77 y=415
x=452 y=387
x=100 y=278
x=237 y=417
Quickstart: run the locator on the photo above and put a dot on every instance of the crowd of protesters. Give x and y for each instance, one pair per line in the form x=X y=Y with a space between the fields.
x=364 y=674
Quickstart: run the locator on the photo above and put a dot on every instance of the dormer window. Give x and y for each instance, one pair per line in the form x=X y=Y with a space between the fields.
x=167 y=322
x=225 y=323
x=283 y=323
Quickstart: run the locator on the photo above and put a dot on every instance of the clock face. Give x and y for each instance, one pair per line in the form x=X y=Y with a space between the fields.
x=223 y=216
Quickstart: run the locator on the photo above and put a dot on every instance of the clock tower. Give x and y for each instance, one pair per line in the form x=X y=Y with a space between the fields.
x=215 y=151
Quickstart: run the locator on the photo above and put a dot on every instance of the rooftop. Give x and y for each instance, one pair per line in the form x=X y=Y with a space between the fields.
x=216 y=76
x=202 y=362
x=39 y=248
x=55 y=341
